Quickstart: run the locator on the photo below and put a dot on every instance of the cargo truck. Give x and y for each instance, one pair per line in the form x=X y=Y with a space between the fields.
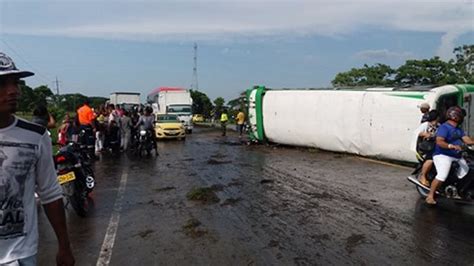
x=171 y=100
x=126 y=99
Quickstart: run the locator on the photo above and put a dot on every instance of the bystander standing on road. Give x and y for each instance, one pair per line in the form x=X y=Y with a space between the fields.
x=26 y=165
x=240 y=122
x=224 y=120
x=126 y=130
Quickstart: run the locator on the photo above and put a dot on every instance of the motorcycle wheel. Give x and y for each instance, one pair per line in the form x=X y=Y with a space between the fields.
x=79 y=199
x=80 y=203
x=140 y=151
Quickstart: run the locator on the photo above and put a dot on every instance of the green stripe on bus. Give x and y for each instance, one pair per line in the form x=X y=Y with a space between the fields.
x=405 y=95
x=259 y=110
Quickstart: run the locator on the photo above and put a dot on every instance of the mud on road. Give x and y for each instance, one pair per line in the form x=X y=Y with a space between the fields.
x=211 y=201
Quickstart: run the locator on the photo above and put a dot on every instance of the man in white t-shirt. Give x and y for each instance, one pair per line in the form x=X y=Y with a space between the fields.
x=26 y=166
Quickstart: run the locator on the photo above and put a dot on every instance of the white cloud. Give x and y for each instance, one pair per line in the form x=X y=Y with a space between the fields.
x=234 y=20
x=382 y=54
x=445 y=50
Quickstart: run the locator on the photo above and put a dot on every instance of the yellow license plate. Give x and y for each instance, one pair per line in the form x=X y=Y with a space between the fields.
x=66 y=178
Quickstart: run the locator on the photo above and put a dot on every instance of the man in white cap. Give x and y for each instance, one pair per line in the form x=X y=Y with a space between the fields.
x=424 y=109
x=27 y=166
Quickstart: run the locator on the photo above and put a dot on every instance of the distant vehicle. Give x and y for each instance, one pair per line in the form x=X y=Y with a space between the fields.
x=198 y=118
x=168 y=127
x=176 y=101
x=126 y=99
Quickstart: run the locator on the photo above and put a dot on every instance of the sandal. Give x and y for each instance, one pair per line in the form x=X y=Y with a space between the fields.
x=430 y=201
x=425 y=182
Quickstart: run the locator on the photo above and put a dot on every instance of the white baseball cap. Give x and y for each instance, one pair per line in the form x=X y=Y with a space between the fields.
x=8 y=68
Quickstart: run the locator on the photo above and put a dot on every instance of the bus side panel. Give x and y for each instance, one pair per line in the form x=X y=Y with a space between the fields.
x=392 y=123
x=323 y=119
x=359 y=122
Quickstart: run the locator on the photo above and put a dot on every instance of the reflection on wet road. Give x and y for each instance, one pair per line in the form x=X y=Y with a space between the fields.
x=209 y=200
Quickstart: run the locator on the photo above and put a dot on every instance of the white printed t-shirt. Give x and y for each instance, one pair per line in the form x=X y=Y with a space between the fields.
x=26 y=161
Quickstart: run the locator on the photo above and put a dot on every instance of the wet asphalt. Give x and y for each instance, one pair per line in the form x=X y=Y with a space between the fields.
x=275 y=206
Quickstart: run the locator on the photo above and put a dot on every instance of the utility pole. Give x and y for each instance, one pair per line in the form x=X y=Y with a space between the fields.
x=195 y=73
x=57 y=86
x=57 y=91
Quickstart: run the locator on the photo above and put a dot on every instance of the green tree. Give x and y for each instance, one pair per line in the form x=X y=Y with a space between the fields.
x=464 y=62
x=70 y=102
x=219 y=104
x=201 y=103
x=414 y=72
x=96 y=102
x=27 y=99
x=42 y=94
x=426 y=71
x=378 y=74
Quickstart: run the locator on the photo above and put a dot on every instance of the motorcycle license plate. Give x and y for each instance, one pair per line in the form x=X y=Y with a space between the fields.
x=66 y=178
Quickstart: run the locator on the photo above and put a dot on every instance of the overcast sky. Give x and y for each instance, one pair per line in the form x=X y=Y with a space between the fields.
x=97 y=47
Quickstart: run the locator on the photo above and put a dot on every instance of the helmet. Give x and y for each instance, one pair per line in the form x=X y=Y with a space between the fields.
x=455 y=113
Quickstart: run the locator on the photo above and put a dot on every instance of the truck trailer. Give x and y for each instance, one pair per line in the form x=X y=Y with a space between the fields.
x=126 y=99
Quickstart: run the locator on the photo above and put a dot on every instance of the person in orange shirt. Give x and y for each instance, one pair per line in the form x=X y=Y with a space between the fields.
x=86 y=117
x=85 y=114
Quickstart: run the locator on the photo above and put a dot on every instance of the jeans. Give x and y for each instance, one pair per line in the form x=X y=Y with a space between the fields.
x=240 y=128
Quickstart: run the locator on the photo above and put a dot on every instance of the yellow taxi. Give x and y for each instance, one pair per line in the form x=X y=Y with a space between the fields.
x=169 y=127
x=198 y=118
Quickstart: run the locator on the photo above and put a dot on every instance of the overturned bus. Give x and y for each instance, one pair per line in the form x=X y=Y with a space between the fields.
x=374 y=122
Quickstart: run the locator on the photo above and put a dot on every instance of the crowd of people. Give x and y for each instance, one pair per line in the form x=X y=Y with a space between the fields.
x=109 y=127
x=441 y=145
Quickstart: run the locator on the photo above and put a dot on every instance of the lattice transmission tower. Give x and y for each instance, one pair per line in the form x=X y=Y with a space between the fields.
x=195 y=69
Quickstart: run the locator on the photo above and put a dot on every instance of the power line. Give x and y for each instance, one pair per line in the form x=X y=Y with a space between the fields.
x=43 y=77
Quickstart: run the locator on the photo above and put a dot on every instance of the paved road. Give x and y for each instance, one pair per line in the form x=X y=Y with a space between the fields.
x=274 y=206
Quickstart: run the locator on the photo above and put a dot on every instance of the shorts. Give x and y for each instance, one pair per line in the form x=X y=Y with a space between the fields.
x=443 y=165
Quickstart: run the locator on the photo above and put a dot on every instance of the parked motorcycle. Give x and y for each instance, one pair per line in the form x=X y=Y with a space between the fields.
x=459 y=190
x=76 y=177
x=86 y=142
